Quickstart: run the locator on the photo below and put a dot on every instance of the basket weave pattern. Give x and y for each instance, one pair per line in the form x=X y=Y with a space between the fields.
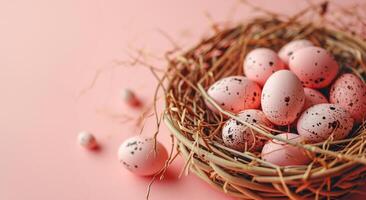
x=338 y=167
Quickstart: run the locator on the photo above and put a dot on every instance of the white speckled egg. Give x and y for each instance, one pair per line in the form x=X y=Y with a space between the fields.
x=313 y=97
x=87 y=140
x=240 y=137
x=283 y=154
x=315 y=67
x=286 y=51
x=234 y=94
x=283 y=97
x=319 y=122
x=261 y=63
x=350 y=92
x=137 y=155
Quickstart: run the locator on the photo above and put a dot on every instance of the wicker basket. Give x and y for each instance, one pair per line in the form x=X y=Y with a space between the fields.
x=338 y=167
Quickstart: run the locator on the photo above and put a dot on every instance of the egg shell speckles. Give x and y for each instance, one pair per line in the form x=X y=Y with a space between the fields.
x=283 y=98
x=137 y=155
x=313 y=97
x=261 y=63
x=319 y=122
x=234 y=94
x=314 y=66
x=87 y=140
x=289 y=49
x=349 y=92
x=238 y=136
x=282 y=154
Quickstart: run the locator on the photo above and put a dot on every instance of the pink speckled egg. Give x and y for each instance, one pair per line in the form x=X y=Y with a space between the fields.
x=283 y=154
x=315 y=67
x=137 y=155
x=282 y=98
x=319 y=122
x=261 y=63
x=234 y=94
x=242 y=138
x=313 y=97
x=286 y=51
x=87 y=140
x=349 y=92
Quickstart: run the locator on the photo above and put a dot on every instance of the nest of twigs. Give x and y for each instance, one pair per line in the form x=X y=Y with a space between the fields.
x=337 y=168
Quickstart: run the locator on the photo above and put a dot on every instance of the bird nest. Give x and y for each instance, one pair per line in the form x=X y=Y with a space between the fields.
x=337 y=167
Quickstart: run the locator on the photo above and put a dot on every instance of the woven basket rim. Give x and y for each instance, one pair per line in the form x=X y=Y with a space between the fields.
x=205 y=162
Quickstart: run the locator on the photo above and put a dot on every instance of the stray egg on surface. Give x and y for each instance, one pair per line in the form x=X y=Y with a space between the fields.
x=315 y=67
x=321 y=121
x=286 y=51
x=130 y=98
x=283 y=154
x=234 y=94
x=137 y=155
x=313 y=97
x=238 y=136
x=349 y=92
x=261 y=63
x=87 y=140
x=283 y=97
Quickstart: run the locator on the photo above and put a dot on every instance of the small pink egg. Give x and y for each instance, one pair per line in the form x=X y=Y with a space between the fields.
x=315 y=67
x=313 y=97
x=137 y=155
x=130 y=98
x=87 y=140
x=283 y=97
x=261 y=63
x=349 y=92
x=290 y=48
x=234 y=94
x=242 y=138
x=283 y=154
x=321 y=121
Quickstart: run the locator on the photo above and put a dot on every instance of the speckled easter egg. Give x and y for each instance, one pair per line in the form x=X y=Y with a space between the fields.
x=234 y=94
x=286 y=51
x=87 y=140
x=261 y=63
x=282 y=97
x=313 y=97
x=350 y=92
x=238 y=136
x=315 y=67
x=283 y=154
x=319 y=122
x=137 y=155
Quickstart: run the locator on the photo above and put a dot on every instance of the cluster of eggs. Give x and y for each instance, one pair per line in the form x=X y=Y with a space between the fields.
x=281 y=89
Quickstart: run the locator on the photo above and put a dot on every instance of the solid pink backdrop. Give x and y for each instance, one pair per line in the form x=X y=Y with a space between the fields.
x=50 y=50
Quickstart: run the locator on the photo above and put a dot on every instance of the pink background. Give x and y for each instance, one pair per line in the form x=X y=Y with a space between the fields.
x=49 y=51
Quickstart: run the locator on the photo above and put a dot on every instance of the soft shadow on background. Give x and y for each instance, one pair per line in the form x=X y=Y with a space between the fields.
x=50 y=50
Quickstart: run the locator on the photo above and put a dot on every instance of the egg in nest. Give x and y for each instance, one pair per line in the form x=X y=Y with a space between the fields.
x=234 y=94
x=240 y=137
